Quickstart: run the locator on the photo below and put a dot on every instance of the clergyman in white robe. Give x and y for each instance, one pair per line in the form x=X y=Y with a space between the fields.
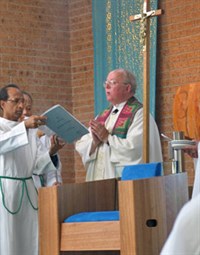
x=102 y=163
x=21 y=154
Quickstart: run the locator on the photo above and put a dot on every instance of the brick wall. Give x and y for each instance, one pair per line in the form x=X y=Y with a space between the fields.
x=178 y=60
x=46 y=47
x=81 y=49
x=35 y=54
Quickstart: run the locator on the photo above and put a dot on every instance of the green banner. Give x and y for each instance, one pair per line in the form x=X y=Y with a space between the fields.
x=117 y=44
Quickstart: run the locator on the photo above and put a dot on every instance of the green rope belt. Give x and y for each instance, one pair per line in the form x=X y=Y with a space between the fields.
x=24 y=187
x=41 y=177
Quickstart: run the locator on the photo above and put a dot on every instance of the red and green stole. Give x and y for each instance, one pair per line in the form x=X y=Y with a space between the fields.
x=125 y=117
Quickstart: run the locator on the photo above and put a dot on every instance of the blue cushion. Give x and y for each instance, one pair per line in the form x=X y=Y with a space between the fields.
x=94 y=216
x=132 y=172
x=141 y=171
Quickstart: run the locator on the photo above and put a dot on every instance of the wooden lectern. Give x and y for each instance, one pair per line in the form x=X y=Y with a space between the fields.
x=148 y=208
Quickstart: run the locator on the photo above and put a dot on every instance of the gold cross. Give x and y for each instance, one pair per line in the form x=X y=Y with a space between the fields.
x=145 y=32
x=144 y=20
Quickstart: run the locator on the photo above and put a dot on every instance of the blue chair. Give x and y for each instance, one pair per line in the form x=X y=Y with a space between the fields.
x=141 y=171
x=147 y=206
x=130 y=172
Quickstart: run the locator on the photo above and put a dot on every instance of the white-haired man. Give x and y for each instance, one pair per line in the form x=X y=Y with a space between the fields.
x=116 y=135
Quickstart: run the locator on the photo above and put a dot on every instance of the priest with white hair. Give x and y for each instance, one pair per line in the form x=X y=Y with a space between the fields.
x=116 y=135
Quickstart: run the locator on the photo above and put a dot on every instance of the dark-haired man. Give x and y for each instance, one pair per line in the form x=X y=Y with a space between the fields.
x=21 y=154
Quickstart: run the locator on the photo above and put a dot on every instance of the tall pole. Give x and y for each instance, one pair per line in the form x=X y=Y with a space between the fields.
x=146 y=51
x=145 y=35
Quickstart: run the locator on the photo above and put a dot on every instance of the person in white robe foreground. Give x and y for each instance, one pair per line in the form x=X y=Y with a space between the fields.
x=21 y=154
x=116 y=135
x=52 y=143
x=184 y=238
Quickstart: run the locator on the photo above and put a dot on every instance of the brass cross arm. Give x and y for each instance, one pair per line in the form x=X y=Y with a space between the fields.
x=146 y=15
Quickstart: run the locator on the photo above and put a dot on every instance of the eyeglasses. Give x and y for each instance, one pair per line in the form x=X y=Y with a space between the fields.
x=112 y=83
x=16 y=100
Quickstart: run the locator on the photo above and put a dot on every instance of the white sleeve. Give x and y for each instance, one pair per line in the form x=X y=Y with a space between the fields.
x=83 y=147
x=52 y=176
x=43 y=162
x=13 y=139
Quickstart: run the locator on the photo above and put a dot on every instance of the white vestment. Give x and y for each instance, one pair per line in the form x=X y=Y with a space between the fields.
x=21 y=154
x=50 y=177
x=101 y=164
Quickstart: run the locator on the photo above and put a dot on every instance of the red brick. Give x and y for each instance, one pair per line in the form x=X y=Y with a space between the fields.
x=46 y=47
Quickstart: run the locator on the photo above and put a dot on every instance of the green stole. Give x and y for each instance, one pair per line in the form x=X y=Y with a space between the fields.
x=125 y=117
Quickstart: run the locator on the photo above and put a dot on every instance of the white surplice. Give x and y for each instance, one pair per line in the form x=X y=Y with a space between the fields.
x=101 y=164
x=21 y=153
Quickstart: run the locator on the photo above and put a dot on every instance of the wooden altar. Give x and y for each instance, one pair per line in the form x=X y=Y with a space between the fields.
x=148 y=208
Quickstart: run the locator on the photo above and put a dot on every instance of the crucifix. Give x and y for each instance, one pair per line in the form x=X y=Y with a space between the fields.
x=145 y=36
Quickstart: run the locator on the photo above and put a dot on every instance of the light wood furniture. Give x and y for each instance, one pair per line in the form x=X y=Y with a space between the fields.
x=186 y=110
x=148 y=208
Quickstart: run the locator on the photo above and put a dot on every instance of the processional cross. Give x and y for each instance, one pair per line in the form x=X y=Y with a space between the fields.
x=145 y=36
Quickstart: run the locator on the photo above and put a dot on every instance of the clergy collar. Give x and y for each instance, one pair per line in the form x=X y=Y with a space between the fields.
x=118 y=106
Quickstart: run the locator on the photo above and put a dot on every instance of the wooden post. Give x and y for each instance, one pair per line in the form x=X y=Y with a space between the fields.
x=145 y=35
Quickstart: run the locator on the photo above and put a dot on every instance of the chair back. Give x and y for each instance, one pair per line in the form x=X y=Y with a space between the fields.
x=141 y=171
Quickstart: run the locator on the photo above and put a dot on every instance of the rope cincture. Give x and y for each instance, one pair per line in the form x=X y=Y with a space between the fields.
x=41 y=177
x=24 y=186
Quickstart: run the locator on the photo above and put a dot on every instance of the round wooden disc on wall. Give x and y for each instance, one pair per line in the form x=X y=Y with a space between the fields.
x=186 y=110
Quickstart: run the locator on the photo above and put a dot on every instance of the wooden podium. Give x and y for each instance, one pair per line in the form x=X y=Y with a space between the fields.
x=148 y=208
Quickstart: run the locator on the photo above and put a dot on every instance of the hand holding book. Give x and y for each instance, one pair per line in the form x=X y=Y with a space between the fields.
x=62 y=123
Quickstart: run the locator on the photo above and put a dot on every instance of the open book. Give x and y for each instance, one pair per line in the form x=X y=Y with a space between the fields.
x=64 y=124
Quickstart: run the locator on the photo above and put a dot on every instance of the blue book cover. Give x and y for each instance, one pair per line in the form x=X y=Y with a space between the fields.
x=64 y=124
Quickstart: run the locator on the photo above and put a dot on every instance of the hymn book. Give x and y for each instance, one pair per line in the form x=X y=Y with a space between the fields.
x=64 y=124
